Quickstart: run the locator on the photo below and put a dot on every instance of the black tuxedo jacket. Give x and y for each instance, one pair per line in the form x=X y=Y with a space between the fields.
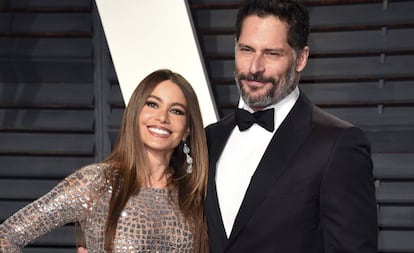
x=312 y=192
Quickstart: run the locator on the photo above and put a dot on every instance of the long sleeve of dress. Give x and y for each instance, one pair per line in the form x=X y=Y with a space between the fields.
x=68 y=202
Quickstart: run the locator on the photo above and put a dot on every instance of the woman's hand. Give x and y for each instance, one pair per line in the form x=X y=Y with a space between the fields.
x=82 y=250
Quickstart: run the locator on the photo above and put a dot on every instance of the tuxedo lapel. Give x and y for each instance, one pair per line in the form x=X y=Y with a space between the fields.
x=217 y=135
x=284 y=144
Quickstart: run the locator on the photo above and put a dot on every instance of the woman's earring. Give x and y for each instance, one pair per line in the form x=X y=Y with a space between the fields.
x=188 y=158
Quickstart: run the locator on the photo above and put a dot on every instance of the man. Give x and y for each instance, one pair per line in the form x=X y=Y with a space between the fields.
x=305 y=185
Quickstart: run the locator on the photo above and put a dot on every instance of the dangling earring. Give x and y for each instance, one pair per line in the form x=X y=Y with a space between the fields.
x=188 y=159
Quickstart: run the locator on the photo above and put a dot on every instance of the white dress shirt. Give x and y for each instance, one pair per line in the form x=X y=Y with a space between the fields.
x=240 y=158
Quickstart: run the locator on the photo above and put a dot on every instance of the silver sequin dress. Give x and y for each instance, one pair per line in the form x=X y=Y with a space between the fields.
x=150 y=222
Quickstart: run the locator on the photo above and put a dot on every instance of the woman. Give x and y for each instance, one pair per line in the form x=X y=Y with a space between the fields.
x=147 y=196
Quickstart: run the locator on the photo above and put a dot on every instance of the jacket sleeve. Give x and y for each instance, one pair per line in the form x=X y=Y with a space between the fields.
x=347 y=196
x=67 y=202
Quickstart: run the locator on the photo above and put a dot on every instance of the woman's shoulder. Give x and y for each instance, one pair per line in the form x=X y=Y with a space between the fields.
x=95 y=175
x=88 y=172
x=93 y=170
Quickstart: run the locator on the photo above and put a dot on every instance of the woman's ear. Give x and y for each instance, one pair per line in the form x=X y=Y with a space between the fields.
x=186 y=134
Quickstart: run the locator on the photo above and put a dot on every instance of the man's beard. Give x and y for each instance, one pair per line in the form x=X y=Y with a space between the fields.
x=279 y=90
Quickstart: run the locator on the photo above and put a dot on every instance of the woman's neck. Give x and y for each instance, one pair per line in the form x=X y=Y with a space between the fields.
x=159 y=170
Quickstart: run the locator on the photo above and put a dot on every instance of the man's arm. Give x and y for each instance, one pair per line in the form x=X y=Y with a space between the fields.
x=347 y=201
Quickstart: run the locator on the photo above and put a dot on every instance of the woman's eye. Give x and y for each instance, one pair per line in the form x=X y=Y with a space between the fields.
x=177 y=111
x=151 y=104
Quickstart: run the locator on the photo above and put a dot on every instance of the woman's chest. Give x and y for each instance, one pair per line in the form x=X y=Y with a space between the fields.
x=150 y=222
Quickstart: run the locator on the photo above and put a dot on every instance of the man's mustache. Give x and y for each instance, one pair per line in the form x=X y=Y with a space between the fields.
x=256 y=78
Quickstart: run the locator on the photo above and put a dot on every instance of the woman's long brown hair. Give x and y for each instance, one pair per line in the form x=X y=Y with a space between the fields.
x=131 y=166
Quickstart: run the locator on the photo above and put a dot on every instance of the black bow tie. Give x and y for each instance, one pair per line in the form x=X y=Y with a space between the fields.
x=264 y=118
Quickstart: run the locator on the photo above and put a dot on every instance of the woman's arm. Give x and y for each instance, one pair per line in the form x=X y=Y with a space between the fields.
x=67 y=202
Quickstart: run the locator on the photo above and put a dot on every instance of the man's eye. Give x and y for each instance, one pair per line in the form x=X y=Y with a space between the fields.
x=245 y=49
x=273 y=53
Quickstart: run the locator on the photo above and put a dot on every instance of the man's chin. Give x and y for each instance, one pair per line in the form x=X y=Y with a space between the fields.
x=256 y=95
x=254 y=101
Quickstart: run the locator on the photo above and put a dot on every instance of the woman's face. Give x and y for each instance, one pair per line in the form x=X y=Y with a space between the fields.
x=163 y=119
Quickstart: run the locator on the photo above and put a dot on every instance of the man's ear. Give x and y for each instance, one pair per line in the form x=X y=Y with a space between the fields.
x=302 y=59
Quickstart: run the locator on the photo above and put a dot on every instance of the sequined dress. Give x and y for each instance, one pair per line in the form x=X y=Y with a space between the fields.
x=150 y=222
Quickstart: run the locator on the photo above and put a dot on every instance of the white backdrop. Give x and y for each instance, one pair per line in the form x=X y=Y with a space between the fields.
x=145 y=35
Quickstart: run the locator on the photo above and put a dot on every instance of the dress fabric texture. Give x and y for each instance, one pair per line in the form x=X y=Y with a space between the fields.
x=150 y=222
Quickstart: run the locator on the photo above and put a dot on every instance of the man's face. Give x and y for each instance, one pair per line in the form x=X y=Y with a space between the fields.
x=267 y=67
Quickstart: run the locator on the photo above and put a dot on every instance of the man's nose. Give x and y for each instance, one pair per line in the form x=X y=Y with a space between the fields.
x=257 y=64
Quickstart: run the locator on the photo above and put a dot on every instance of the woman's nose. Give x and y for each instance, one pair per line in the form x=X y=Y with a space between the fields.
x=163 y=116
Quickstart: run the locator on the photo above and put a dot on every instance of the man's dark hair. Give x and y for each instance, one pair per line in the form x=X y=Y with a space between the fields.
x=289 y=11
